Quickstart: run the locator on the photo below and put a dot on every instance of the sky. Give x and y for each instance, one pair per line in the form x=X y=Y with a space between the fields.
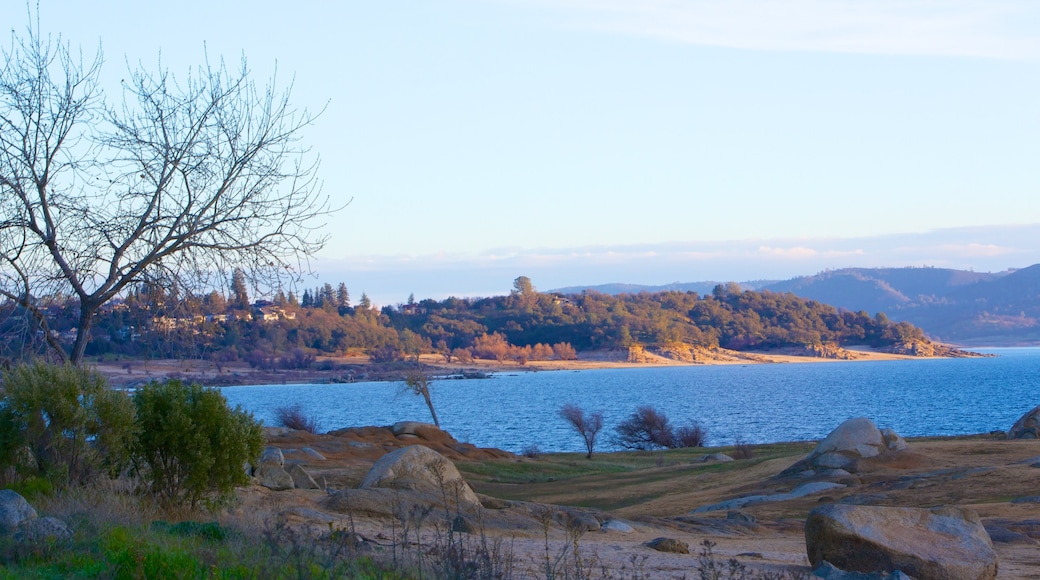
x=639 y=141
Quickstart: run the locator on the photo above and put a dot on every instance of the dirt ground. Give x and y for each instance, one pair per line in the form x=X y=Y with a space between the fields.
x=655 y=493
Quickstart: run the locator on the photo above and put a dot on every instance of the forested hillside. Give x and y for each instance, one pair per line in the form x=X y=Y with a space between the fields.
x=958 y=306
x=524 y=325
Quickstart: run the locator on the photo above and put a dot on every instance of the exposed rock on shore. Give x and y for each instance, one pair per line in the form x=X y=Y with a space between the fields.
x=944 y=543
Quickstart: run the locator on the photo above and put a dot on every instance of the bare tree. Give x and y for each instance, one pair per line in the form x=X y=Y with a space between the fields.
x=586 y=426
x=418 y=383
x=645 y=429
x=186 y=179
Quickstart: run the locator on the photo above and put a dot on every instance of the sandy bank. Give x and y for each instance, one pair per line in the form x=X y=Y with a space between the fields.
x=361 y=368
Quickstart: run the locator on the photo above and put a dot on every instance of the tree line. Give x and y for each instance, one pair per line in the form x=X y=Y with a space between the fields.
x=522 y=326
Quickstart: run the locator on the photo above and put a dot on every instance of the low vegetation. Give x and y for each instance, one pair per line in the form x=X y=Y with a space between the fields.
x=63 y=425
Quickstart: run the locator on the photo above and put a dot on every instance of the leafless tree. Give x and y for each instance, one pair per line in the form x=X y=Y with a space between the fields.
x=588 y=426
x=646 y=429
x=418 y=383
x=185 y=179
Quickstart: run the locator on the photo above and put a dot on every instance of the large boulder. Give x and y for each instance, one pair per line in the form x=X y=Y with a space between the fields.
x=1027 y=426
x=13 y=511
x=274 y=477
x=943 y=543
x=843 y=449
x=423 y=470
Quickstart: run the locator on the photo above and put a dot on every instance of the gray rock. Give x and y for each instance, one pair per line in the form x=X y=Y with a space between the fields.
x=800 y=491
x=616 y=526
x=274 y=477
x=714 y=457
x=301 y=479
x=411 y=427
x=580 y=521
x=946 y=543
x=670 y=545
x=45 y=529
x=421 y=469
x=739 y=516
x=893 y=442
x=13 y=511
x=855 y=439
x=1002 y=535
x=272 y=456
x=311 y=453
x=1027 y=426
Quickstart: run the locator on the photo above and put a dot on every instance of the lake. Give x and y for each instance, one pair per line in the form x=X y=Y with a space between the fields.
x=755 y=403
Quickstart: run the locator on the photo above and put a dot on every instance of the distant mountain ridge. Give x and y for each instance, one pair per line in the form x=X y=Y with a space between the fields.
x=957 y=306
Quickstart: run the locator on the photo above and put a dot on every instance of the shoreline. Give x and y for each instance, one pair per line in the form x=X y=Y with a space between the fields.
x=359 y=368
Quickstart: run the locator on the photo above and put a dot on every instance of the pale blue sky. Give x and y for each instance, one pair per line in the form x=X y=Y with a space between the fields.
x=641 y=141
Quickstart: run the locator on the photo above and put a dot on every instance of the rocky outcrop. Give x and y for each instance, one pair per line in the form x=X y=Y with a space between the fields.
x=844 y=448
x=803 y=490
x=1027 y=426
x=420 y=469
x=945 y=543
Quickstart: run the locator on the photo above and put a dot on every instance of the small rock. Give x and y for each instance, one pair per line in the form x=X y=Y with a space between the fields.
x=272 y=456
x=739 y=516
x=313 y=454
x=301 y=479
x=670 y=545
x=1002 y=535
x=616 y=526
x=462 y=525
x=45 y=529
x=714 y=457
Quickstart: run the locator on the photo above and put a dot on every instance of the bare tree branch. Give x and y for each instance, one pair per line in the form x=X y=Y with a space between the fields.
x=187 y=179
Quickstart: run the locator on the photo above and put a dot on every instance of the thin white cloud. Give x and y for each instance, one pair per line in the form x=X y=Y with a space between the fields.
x=980 y=28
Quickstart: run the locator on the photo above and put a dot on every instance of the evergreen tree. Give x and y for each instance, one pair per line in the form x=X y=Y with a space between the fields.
x=342 y=296
x=239 y=294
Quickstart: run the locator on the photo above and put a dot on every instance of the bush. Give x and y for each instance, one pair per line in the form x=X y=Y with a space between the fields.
x=63 y=423
x=192 y=446
x=645 y=429
x=690 y=436
x=293 y=417
x=742 y=450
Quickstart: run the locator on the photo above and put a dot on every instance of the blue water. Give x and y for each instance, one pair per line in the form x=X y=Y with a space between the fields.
x=755 y=403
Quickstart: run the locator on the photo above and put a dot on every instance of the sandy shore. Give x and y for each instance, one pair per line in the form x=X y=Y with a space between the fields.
x=125 y=373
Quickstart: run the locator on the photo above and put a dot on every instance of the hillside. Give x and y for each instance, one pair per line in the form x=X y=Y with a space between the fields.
x=956 y=306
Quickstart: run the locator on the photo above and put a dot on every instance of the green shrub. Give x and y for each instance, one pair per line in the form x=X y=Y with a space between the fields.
x=63 y=423
x=191 y=446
